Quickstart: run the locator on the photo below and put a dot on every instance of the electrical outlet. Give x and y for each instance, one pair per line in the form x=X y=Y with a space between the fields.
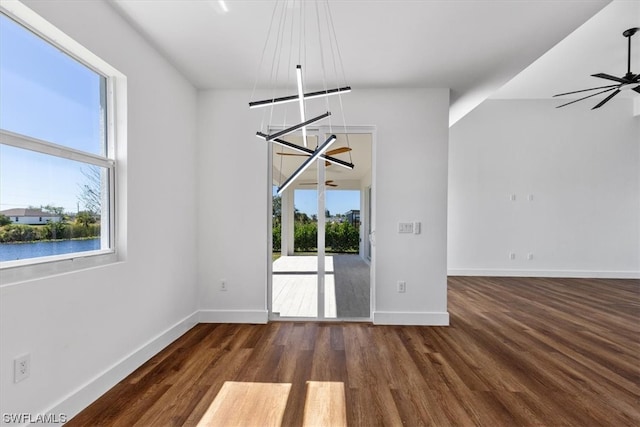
x=530 y=256
x=21 y=368
x=402 y=286
x=223 y=285
x=512 y=255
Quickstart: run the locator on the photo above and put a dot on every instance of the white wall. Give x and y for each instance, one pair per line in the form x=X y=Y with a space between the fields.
x=78 y=326
x=582 y=168
x=411 y=185
x=233 y=194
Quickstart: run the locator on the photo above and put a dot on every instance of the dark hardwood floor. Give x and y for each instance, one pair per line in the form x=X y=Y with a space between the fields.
x=519 y=351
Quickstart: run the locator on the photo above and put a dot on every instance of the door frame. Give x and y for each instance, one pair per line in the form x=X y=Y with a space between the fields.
x=324 y=130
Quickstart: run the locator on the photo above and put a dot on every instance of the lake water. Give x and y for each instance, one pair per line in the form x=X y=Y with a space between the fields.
x=15 y=251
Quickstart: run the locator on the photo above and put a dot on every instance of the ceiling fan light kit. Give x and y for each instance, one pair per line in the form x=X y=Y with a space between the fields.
x=629 y=81
x=285 y=16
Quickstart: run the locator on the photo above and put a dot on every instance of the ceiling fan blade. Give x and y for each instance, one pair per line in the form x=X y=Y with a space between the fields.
x=584 y=90
x=604 y=101
x=636 y=89
x=338 y=151
x=328 y=183
x=292 y=154
x=588 y=96
x=328 y=153
x=609 y=77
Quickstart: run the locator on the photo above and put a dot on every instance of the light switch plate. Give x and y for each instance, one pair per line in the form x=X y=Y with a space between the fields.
x=405 y=227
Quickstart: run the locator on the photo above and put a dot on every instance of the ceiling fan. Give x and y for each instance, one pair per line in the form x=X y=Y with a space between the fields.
x=328 y=183
x=333 y=152
x=628 y=81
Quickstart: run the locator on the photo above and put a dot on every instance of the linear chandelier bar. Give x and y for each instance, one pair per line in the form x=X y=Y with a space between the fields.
x=319 y=151
x=304 y=150
x=292 y=98
x=298 y=126
x=301 y=103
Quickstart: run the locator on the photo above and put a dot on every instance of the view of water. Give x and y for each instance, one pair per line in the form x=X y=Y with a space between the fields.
x=15 y=251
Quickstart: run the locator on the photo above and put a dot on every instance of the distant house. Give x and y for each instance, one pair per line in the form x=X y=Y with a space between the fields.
x=30 y=216
x=353 y=217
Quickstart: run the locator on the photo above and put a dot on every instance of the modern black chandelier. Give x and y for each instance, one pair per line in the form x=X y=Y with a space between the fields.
x=302 y=32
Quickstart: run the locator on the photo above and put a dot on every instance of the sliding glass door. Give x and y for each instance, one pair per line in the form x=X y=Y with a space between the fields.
x=308 y=238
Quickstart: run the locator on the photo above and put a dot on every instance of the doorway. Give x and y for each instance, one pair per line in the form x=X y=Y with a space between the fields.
x=321 y=259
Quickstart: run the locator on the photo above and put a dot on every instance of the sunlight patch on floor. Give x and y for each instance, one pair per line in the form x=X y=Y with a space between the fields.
x=325 y=404
x=247 y=404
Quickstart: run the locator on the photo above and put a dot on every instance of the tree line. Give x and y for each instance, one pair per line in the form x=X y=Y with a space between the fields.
x=339 y=236
x=83 y=226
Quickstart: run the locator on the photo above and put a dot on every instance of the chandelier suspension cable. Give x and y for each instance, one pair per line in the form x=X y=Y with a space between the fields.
x=288 y=79
x=275 y=73
x=270 y=84
x=324 y=72
x=275 y=65
x=334 y=39
x=302 y=36
x=302 y=61
x=283 y=24
x=264 y=50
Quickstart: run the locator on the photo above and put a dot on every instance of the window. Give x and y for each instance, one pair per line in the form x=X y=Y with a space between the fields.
x=57 y=146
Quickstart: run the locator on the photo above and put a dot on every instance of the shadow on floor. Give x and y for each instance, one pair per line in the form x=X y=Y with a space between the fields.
x=352 y=286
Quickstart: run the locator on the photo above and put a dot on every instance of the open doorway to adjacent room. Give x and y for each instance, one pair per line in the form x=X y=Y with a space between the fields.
x=321 y=253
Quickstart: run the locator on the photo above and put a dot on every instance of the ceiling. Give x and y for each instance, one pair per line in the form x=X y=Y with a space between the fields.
x=473 y=47
x=596 y=47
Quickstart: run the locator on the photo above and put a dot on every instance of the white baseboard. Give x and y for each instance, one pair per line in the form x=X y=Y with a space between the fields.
x=411 y=318
x=78 y=400
x=579 y=274
x=233 y=316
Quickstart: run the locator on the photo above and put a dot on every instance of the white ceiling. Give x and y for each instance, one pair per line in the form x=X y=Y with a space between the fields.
x=596 y=47
x=473 y=47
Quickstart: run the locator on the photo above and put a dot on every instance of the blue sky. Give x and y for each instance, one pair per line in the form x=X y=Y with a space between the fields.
x=47 y=95
x=337 y=201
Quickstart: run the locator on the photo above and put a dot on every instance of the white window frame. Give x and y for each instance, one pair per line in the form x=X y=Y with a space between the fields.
x=116 y=105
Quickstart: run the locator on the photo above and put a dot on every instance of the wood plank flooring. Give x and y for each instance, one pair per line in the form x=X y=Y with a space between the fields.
x=519 y=352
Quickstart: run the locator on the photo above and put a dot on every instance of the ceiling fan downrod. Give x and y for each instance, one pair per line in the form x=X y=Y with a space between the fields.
x=628 y=81
x=628 y=33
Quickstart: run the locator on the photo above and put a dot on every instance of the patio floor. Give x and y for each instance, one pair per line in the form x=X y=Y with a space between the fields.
x=295 y=281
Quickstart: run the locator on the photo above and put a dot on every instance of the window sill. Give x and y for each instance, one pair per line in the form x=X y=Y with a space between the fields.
x=14 y=272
